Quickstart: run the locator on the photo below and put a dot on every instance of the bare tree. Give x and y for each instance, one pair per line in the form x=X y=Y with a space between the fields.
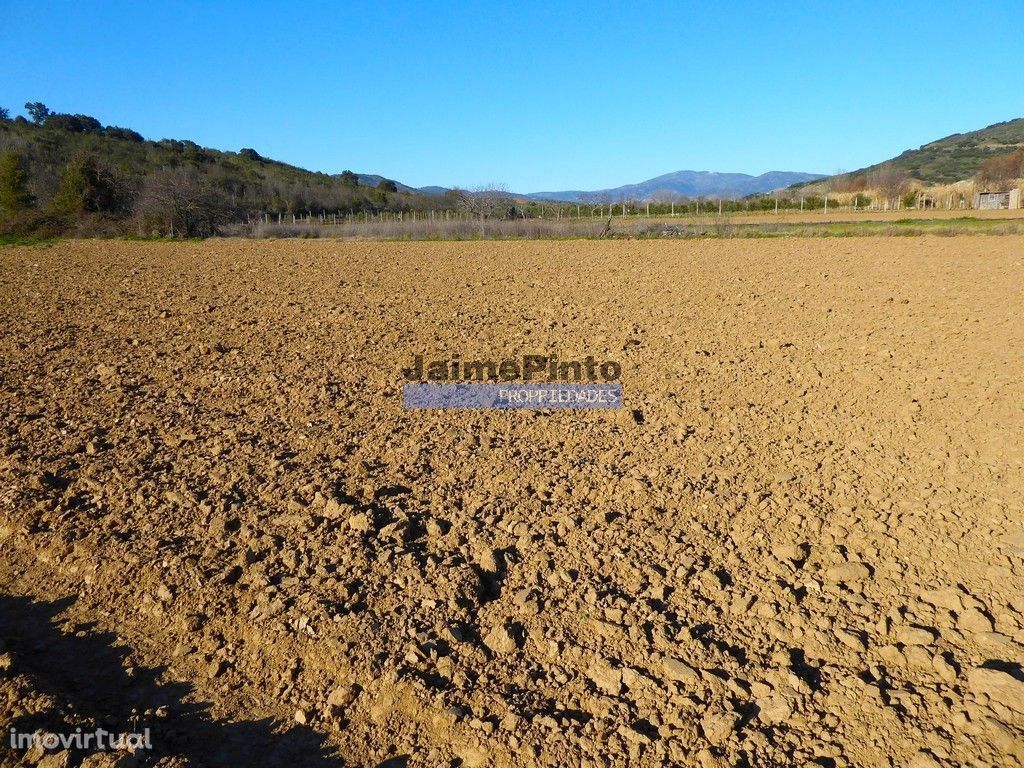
x=848 y=182
x=180 y=203
x=666 y=198
x=1000 y=170
x=890 y=181
x=488 y=202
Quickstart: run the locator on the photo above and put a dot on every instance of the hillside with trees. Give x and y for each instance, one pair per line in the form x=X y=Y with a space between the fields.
x=980 y=155
x=70 y=174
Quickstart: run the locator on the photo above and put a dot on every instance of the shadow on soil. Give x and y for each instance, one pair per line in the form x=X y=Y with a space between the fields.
x=90 y=683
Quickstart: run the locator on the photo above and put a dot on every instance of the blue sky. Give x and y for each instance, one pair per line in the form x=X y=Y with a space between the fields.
x=538 y=96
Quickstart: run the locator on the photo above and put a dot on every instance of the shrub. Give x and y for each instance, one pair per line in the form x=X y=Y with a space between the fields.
x=14 y=194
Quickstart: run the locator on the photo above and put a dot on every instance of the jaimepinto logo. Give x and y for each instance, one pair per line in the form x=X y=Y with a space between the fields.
x=511 y=383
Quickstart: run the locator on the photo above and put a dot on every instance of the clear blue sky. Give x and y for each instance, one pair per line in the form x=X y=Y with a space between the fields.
x=535 y=95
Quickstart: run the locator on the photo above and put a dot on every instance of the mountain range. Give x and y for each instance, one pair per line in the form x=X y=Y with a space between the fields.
x=685 y=184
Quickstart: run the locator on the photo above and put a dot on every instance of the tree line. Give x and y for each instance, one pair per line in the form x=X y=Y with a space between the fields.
x=68 y=173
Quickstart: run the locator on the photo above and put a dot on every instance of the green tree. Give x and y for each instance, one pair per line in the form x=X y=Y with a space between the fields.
x=14 y=194
x=37 y=111
x=5 y=114
x=387 y=185
x=123 y=133
x=349 y=179
x=86 y=187
x=74 y=123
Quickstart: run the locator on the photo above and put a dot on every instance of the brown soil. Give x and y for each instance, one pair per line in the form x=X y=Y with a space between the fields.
x=800 y=543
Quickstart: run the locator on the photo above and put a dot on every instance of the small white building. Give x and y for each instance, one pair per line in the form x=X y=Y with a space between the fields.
x=996 y=201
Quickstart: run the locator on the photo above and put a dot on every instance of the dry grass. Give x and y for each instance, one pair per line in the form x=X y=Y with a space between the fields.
x=839 y=225
x=489 y=229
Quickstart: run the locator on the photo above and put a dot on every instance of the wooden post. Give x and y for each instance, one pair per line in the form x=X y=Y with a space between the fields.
x=719 y=206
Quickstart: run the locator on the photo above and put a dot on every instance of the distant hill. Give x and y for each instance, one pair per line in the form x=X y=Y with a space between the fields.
x=434 y=191
x=686 y=184
x=953 y=158
x=372 y=180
